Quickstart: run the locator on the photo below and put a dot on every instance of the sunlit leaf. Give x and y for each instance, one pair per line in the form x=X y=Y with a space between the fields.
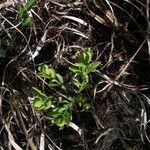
x=89 y=54
x=23 y=13
x=83 y=86
x=86 y=56
x=74 y=69
x=61 y=109
x=80 y=66
x=54 y=112
x=38 y=103
x=77 y=83
x=30 y=4
x=38 y=93
x=55 y=81
x=59 y=121
x=93 y=66
x=60 y=78
x=23 y=10
x=87 y=106
x=67 y=117
x=48 y=104
x=47 y=72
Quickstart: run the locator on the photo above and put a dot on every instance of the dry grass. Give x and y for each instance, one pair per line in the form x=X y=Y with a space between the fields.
x=118 y=34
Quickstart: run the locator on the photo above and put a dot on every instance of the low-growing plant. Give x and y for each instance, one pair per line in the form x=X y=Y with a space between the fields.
x=24 y=14
x=82 y=70
x=60 y=108
x=54 y=78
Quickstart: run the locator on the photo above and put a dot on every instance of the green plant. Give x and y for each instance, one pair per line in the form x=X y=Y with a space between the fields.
x=54 y=79
x=60 y=108
x=61 y=115
x=82 y=70
x=24 y=13
x=2 y=53
x=41 y=101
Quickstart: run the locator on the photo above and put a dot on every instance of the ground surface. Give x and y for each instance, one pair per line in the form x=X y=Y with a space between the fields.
x=118 y=34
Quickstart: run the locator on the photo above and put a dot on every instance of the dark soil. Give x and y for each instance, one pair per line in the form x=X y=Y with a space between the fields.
x=119 y=115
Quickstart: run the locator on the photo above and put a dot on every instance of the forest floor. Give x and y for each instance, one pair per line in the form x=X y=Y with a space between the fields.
x=52 y=33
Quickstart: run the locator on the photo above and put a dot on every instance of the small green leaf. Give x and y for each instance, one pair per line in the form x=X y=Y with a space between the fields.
x=80 y=100
x=52 y=73
x=87 y=106
x=89 y=55
x=38 y=93
x=93 y=66
x=27 y=22
x=48 y=105
x=77 y=83
x=67 y=117
x=2 y=53
x=55 y=81
x=74 y=69
x=70 y=104
x=54 y=112
x=30 y=4
x=61 y=109
x=60 y=78
x=47 y=72
x=86 y=57
x=59 y=121
x=83 y=57
x=81 y=67
x=23 y=10
x=83 y=86
x=23 y=14
x=38 y=103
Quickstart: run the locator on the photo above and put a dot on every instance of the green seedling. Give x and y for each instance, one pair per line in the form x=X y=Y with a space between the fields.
x=42 y=101
x=62 y=115
x=58 y=108
x=82 y=70
x=54 y=78
x=27 y=20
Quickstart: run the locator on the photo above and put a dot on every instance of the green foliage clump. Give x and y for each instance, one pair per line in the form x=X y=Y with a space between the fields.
x=60 y=108
x=27 y=20
x=82 y=70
